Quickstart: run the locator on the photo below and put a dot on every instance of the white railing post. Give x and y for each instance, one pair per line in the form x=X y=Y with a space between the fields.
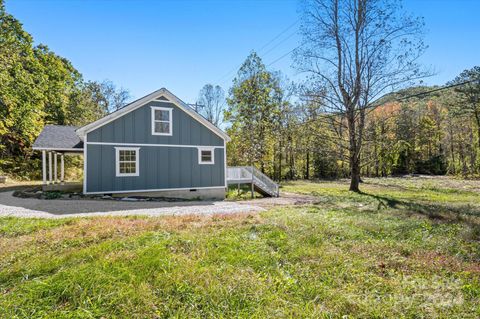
x=44 y=167
x=62 y=169
x=55 y=163
x=50 y=167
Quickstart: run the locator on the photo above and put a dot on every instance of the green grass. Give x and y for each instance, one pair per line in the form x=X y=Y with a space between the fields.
x=405 y=248
x=243 y=193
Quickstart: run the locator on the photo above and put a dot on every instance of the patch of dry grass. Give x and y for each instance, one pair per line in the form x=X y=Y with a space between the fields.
x=390 y=252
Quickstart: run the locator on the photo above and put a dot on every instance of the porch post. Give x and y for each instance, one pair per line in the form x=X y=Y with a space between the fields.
x=55 y=165
x=253 y=185
x=62 y=169
x=50 y=167
x=44 y=167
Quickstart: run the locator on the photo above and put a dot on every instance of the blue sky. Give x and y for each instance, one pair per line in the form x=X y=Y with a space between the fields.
x=182 y=45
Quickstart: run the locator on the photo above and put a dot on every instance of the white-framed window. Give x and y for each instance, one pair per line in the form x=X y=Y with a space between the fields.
x=127 y=161
x=161 y=120
x=206 y=155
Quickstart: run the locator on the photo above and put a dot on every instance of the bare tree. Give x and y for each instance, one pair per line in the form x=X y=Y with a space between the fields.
x=212 y=103
x=356 y=51
x=107 y=96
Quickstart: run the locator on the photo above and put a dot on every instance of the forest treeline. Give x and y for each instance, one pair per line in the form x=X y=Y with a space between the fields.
x=38 y=87
x=288 y=135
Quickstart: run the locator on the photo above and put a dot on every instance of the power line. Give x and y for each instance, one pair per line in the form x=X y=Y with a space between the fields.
x=275 y=38
x=278 y=44
x=400 y=99
x=284 y=55
x=263 y=47
x=436 y=90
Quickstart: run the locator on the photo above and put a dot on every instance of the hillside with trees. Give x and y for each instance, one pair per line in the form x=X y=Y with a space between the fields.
x=362 y=110
x=412 y=131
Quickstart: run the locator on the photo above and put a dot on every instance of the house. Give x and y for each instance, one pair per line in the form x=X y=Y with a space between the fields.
x=154 y=146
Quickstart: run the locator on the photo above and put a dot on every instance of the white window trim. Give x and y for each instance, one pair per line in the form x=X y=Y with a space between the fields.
x=117 y=161
x=160 y=108
x=211 y=149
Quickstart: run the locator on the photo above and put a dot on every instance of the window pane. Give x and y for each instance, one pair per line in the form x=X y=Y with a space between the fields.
x=206 y=156
x=161 y=115
x=126 y=163
x=162 y=127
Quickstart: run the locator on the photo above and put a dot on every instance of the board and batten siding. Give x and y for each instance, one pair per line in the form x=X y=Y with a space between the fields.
x=135 y=127
x=160 y=167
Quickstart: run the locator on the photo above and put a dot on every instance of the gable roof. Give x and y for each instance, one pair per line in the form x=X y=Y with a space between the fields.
x=58 y=138
x=142 y=101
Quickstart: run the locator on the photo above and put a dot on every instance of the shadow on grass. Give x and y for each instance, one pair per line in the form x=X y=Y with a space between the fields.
x=465 y=214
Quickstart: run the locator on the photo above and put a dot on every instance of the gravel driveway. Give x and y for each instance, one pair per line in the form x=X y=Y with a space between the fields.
x=58 y=208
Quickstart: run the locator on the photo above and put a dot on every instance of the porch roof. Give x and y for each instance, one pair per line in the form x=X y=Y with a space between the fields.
x=61 y=138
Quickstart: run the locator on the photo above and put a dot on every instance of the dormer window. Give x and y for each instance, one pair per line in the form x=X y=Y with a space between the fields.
x=161 y=120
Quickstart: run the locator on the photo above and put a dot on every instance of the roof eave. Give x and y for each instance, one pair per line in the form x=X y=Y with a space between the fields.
x=60 y=149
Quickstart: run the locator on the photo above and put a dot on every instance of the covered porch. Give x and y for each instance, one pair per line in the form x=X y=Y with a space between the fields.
x=55 y=142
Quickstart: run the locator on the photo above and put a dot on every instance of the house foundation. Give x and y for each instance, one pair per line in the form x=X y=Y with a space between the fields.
x=201 y=194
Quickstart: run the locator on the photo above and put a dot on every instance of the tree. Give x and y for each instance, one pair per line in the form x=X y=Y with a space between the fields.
x=38 y=87
x=471 y=95
x=107 y=96
x=62 y=81
x=253 y=106
x=21 y=88
x=355 y=50
x=212 y=103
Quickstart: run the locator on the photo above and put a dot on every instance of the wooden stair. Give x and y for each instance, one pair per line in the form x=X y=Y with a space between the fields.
x=251 y=175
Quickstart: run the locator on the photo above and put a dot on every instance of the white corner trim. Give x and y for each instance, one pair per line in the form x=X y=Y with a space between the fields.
x=170 y=119
x=117 y=161
x=153 y=190
x=212 y=151
x=225 y=161
x=85 y=166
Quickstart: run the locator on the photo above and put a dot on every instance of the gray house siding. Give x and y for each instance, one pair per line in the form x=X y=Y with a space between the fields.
x=135 y=127
x=161 y=167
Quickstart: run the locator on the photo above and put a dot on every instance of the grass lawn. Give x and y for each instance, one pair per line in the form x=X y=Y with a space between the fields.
x=404 y=248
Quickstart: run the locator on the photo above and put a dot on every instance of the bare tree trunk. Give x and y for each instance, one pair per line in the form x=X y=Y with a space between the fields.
x=280 y=155
x=462 y=160
x=452 y=150
x=355 y=178
x=354 y=154
x=477 y=120
x=307 y=166
x=375 y=152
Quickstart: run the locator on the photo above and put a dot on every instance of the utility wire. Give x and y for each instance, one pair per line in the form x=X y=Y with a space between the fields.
x=278 y=44
x=436 y=90
x=279 y=35
x=400 y=99
x=283 y=56
x=262 y=48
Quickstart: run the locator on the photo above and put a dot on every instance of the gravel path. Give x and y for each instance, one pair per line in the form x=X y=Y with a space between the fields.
x=58 y=208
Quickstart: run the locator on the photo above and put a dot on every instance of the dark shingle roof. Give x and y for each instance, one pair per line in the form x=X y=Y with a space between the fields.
x=58 y=137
